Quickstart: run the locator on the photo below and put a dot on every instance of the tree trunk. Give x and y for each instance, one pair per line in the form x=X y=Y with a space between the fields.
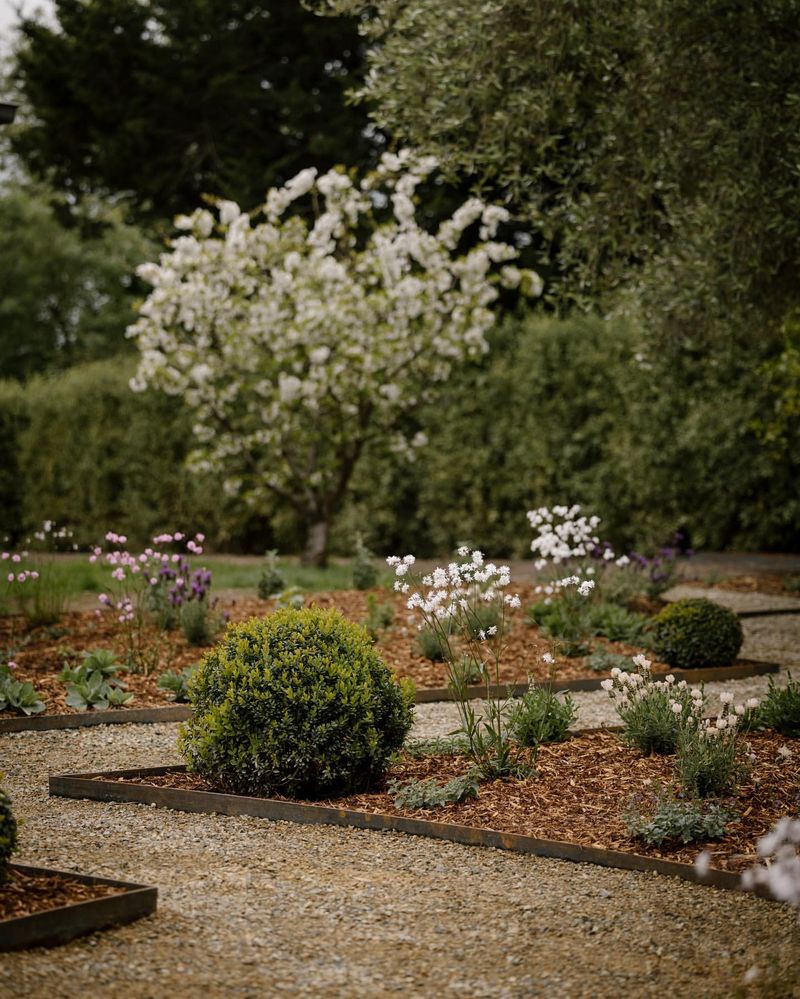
x=316 y=550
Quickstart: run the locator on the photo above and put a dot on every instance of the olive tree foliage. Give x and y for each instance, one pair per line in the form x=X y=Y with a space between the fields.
x=297 y=339
x=653 y=144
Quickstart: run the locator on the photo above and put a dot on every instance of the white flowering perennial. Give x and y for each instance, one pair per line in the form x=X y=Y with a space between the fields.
x=638 y=688
x=779 y=871
x=295 y=337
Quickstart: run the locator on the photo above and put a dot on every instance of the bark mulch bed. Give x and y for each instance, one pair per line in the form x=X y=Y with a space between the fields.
x=42 y=651
x=24 y=893
x=577 y=796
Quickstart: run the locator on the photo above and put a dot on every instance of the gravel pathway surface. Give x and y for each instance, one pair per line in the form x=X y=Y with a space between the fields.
x=736 y=600
x=254 y=908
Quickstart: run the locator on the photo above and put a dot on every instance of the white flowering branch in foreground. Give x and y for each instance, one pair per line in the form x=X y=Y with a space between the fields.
x=299 y=331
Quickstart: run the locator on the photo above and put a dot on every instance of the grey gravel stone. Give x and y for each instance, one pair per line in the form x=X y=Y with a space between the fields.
x=251 y=908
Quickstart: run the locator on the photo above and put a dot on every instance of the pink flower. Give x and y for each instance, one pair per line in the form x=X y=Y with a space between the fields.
x=12 y=664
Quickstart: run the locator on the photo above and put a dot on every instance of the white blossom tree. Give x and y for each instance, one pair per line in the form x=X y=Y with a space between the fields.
x=294 y=342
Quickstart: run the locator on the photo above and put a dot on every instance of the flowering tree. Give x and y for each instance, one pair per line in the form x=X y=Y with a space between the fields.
x=296 y=341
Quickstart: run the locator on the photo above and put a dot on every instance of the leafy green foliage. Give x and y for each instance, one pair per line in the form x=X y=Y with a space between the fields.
x=365 y=572
x=695 y=633
x=709 y=767
x=67 y=288
x=379 y=617
x=564 y=619
x=297 y=703
x=541 y=716
x=242 y=95
x=780 y=709
x=661 y=817
x=94 y=682
x=423 y=794
x=8 y=834
x=651 y=146
x=603 y=661
x=431 y=645
x=200 y=621
x=272 y=580
x=18 y=695
x=618 y=624
x=483 y=617
x=177 y=683
x=292 y=597
x=450 y=745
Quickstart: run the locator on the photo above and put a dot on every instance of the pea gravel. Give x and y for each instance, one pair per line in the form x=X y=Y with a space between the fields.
x=254 y=908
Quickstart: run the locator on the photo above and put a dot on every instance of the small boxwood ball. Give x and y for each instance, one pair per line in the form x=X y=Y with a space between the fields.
x=8 y=834
x=298 y=703
x=696 y=633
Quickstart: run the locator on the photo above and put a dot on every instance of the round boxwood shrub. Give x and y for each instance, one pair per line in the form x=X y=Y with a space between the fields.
x=298 y=703
x=692 y=634
x=8 y=834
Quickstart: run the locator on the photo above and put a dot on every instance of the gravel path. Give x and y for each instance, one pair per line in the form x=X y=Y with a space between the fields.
x=254 y=908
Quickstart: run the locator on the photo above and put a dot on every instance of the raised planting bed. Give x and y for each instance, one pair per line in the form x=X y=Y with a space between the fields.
x=41 y=657
x=41 y=907
x=570 y=810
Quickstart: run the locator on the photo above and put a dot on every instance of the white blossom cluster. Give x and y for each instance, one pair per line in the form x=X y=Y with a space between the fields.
x=564 y=533
x=728 y=719
x=630 y=688
x=780 y=872
x=295 y=334
x=452 y=590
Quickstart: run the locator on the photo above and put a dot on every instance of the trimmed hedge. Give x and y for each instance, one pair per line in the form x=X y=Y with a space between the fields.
x=696 y=633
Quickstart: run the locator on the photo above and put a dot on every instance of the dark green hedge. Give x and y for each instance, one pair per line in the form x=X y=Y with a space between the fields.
x=560 y=411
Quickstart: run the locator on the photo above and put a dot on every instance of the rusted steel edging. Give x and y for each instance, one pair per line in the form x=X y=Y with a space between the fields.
x=93 y=786
x=66 y=922
x=738 y=671
x=769 y=613
x=79 y=719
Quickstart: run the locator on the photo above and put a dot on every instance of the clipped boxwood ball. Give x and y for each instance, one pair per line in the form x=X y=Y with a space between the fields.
x=693 y=634
x=298 y=703
x=8 y=834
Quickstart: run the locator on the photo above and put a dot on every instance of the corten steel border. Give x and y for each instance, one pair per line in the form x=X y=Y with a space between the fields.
x=52 y=927
x=181 y=712
x=91 y=785
x=739 y=670
x=79 y=719
x=770 y=613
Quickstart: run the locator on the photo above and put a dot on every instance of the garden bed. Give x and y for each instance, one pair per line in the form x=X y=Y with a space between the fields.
x=44 y=650
x=571 y=809
x=41 y=907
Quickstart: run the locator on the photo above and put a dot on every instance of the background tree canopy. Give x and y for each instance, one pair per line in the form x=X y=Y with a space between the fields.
x=167 y=101
x=654 y=144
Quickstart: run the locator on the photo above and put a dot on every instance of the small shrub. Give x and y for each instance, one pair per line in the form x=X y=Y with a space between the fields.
x=418 y=794
x=8 y=834
x=365 y=571
x=272 y=579
x=177 y=683
x=471 y=670
x=662 y=817
x=379 y=617
x=711 y=755
x=94 y=683
x=18 y=695
x=541 y=716
x=200 y=621
x=297 y=703
x=693 y=634
x=652 y=712
x=617 y=624
x=431 y=645
x=780 y=709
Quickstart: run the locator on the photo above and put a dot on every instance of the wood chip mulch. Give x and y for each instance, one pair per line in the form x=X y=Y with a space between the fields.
x=23 y=894
x=580 y=790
